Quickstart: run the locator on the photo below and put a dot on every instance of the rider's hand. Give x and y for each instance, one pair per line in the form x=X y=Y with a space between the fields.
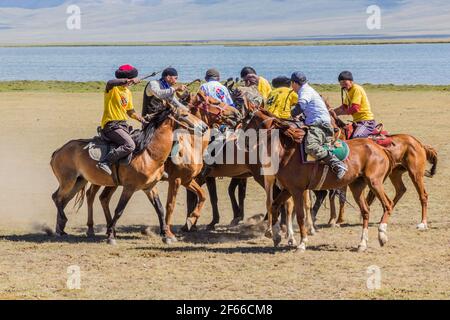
x=181 y=88
x=133 y=81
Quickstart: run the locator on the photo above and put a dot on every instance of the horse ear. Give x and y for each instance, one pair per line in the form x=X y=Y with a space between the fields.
x=201 y=95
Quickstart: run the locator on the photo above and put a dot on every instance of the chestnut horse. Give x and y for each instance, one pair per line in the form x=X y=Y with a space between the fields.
x=73 y=166
x=368 y=164
x=409 y=155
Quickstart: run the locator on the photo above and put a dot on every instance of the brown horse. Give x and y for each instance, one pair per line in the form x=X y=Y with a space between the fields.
x=368 y=163
x=409 y=155
x=211 y=112
x=73 y=166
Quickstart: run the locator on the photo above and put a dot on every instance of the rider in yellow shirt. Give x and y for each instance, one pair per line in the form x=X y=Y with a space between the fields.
x=248 y=74
x=282 y=98
x=356 y=104
x=118 y=107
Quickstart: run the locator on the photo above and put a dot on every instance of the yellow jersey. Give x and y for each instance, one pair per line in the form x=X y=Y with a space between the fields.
x=118 y=101
x=357 y=95
x=264 y=87
x=280 y=102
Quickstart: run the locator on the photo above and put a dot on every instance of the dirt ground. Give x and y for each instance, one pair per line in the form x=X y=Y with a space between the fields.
x=229 y=263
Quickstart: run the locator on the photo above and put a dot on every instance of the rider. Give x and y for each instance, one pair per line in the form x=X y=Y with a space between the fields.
x=282 y=98
x=118 y=106
x=164 y=89
x=356 y=104
x=318 y=120
x=248 y=74
x=213 y=88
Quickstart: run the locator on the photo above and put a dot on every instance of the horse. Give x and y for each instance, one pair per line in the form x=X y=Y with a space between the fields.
x=410 y=155
x=368 y=164
x=73 y=167
x=211 y=112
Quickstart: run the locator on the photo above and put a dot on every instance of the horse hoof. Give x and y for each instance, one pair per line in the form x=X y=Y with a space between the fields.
x=188 y=224
x=311 y=232
x=60 y=234
x=147 y=231
x=362 y=248
x=269 y=234
x=301 y=248
x=277 y=241
x=292 y=243
x=90 y=233
x=111 y=242
x=211 y=227
x=382 y=238
x=422 y=227
x=169 y=240
x=235 y=222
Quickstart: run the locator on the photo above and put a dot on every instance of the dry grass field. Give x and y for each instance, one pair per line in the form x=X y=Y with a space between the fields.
x=229 y=263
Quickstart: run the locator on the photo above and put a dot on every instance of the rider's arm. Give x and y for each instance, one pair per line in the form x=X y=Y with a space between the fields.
x=136 y=116
x=155 y=89
x=115 y=83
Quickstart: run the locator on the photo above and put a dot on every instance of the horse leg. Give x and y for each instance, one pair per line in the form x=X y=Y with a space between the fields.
x=300 y=212
x=61 y=198
x=269 y=182
x=105 y=199
x=153 y=197
x=212 y=190
x=397 y=182
x=307 y=208
x=418 y=182
x=90 y=197
x=333 y=216
x=242 y=191
x=124 y=199
x=289 y=206
x=376 y=185
x=234 y=203
x=174 y=186
x=283 y=197
x=201 y=195
x=320 y=198
x=342 y=199
x=357 y=189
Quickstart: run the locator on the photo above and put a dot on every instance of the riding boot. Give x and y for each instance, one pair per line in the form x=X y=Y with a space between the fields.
x=337 y=166
x=105 y=166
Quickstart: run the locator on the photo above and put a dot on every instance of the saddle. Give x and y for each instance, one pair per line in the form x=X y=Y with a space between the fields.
x=379 y=135
x=99 y=146
x=339 y=148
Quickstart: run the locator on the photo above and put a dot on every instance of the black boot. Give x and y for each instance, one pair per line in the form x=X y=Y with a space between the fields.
x=337 y=166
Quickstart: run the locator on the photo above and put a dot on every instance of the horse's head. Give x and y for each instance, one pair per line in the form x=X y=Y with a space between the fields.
x=213 y=111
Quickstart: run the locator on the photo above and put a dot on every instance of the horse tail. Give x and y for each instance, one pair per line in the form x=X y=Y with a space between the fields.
x=432 y=158
x=79 y=199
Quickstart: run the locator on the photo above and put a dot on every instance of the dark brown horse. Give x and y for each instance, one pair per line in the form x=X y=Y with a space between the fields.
x=368 y=163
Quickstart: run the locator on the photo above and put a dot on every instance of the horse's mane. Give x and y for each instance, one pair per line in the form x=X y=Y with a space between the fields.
x=155 y=120
x=296 y=135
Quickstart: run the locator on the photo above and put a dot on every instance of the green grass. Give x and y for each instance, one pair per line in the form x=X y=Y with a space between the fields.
x=98 y=86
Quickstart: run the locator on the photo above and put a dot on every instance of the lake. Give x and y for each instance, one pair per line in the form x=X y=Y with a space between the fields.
x=397 y=64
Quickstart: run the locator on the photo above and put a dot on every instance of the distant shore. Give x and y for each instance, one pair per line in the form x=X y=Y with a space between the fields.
x=243 y=43
x=98 y=86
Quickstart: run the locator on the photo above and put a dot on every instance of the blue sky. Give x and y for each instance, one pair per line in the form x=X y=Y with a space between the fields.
x=32 y=21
